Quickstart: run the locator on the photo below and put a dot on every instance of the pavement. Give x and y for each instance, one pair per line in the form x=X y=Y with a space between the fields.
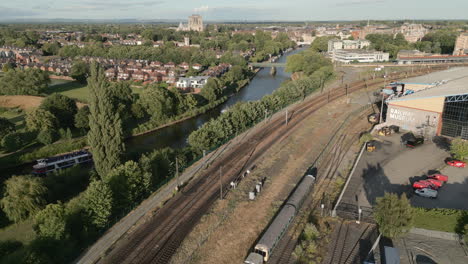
x=429 y=249
x=393 y=168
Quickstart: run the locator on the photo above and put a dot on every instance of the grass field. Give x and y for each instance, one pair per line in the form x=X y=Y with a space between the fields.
x=77 y=90
x=15 y=115
x=446 y=220
x=71 y=89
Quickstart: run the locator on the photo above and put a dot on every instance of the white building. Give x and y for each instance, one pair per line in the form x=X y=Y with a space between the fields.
x=349 y=56
x=336 y=44
x=192 y=82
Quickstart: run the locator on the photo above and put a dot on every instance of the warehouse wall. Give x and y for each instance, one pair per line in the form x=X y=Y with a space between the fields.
x=420 y=122
x=435 y=104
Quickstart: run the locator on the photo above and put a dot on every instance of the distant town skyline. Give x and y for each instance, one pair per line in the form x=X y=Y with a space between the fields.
x=271 y=10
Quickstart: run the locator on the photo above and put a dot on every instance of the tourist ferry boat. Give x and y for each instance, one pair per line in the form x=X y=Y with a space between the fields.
x=51 y=164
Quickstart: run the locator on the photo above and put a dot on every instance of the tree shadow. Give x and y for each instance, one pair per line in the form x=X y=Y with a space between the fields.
x=63 y=87
x=377 y=183
x=442 y=143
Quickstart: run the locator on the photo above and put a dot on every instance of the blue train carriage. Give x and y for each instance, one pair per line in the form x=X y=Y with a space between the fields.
x=267 y=243
x=52 y=164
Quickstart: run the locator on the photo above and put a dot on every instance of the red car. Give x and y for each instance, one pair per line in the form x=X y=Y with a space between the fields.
x=439 y=177
x=436 y=182
x=424 y=184
x=456 y=163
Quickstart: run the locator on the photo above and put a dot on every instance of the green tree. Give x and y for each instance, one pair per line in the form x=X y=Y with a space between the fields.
x=98 y=203
x=51 y=48
x=129 y=184
x=24 y=82
x=6 y=127
x=62 y=107
x=80 y=71
x=320 y=44
x=105 y=135
x=459 y=148
x=394 y=215
x=47 y=136
x=24 y=197
x=445 y=38
x=51 y=222
x=235 y=73
x=212 y=91
x=41 y=119
x=7 y=66
x=12 y=141
x=82 y=118
x=159 y=102
x=307 y=62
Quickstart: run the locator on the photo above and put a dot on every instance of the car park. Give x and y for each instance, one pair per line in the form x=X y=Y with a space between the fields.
x=426 y=192
x=439 y=177
x=424 y=184
x=456 y=163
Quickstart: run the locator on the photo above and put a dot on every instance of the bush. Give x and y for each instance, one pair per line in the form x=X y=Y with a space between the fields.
x=366 y=137
x=459 y=148
x=12 y=142
x=47 y=137
x=24 y=197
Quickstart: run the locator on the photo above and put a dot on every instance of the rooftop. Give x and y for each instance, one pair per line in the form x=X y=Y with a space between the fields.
x=452 y=87
x=440 y=76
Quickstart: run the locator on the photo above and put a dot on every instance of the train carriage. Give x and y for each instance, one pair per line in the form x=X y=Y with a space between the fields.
x=280 y=224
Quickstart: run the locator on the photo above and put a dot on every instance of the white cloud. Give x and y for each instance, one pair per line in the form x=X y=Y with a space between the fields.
x=202 y=9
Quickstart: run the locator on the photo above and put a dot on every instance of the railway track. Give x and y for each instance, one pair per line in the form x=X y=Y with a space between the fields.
x=158 y=239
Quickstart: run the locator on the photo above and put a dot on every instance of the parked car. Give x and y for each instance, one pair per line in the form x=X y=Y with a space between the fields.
x=411 y=141
x=439 y=177
x=436 y=182
x=426 y=192
x=456 y=163
x=424 y=184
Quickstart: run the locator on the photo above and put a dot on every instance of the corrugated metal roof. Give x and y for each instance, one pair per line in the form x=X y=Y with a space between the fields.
x=439 y=76
x=451 y=88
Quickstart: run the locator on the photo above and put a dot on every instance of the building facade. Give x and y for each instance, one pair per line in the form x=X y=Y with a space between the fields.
x=351 y=56
x=439 y=108
x=195 y=23
x=336 y=44
x=461 y=45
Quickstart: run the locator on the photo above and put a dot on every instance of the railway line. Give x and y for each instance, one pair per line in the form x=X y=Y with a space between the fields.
x=157 y=240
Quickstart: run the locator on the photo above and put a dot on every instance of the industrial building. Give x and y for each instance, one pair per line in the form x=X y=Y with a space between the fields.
x=351 y=56
x=434 y=104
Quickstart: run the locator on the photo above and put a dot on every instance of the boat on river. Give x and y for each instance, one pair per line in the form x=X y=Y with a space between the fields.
x=52 y=164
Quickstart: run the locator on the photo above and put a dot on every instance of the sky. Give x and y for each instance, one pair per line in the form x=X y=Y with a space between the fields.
x=235 y=10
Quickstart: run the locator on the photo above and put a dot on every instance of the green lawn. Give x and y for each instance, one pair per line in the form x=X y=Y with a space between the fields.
x=76 y=90
x=446 y=220
x=15 y=115
x=71 y=89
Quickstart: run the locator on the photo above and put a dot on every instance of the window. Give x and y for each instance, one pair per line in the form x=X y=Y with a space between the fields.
x=455 y=118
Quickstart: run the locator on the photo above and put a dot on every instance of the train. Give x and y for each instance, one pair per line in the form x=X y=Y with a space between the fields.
x=52 y=164
x=269 y=240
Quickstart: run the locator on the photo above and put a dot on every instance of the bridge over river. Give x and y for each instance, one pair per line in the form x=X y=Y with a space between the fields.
x=268 y=64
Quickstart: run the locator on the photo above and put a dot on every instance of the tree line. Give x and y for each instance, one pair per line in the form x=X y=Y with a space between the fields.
x=316 y=71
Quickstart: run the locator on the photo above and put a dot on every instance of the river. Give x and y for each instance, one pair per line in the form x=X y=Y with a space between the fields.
x=175 y=136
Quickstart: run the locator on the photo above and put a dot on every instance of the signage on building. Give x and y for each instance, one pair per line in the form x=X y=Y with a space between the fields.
x=405 y=116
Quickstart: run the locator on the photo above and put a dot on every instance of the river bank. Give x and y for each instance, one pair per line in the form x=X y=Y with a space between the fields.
x=172 y=134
